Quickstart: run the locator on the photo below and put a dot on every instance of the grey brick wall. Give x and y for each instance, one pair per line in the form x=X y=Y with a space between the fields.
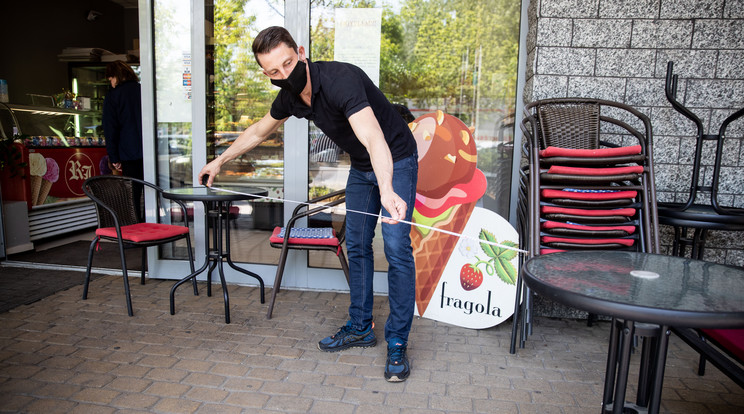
x=619 y=49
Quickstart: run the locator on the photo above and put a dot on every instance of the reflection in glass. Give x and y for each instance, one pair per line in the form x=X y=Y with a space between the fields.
x=238 y=95
x=459 y=57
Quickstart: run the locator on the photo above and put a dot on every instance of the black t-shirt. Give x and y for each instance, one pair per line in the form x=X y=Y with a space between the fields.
x=339 y=91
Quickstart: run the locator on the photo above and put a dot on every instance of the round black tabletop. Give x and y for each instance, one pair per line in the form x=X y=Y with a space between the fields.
x=209 y=194
x=642 y=287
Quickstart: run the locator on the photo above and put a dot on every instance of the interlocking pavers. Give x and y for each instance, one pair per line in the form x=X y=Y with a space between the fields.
x=62 y=354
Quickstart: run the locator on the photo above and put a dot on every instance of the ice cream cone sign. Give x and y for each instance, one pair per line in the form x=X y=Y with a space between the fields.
x=38 y=167
x=468 y=281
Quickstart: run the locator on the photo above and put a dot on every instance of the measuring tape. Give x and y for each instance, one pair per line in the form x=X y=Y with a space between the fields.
x=378 y=216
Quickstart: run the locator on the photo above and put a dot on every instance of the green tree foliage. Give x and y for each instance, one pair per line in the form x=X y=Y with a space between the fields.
x=455 y=55
x=462 y=47
x=439 y=53
x=242 y=95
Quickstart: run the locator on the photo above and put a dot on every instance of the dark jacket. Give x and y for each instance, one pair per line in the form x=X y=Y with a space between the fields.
x=122 y=122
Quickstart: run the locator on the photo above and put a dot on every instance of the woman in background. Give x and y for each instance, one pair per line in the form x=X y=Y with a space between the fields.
x=122 y=123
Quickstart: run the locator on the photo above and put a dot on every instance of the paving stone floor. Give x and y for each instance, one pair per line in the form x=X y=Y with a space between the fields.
x=62 y=354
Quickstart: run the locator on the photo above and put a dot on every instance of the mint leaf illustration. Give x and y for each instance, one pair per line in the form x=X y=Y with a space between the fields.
x=500 y=257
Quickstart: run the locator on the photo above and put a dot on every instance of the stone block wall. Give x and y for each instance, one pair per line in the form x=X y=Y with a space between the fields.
x=619 y=49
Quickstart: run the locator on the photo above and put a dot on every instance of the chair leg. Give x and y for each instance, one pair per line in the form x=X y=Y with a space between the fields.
x=676 y=242
x=515 y=318
x=91 y=250
x=277 y=281
x=701 y=361
x=126 y=278
x=698 y=244
x=526 y=316
x=191 y=264
x=144 y=264
x=611 y=367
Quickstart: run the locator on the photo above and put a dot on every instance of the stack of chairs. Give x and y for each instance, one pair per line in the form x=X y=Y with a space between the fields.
x=586 y=184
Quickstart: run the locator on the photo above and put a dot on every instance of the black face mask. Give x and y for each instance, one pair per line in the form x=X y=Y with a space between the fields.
x=296 y=80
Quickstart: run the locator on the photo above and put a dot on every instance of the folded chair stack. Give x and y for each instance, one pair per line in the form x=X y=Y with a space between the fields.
x=589 y=198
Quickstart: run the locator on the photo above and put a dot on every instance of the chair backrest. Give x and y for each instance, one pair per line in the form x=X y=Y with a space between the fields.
x=330 y=217
x=568 y=124
x=113 y=196
x=572 y=197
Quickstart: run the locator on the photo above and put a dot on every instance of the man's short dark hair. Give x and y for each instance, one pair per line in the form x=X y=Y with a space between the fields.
x=271 y=37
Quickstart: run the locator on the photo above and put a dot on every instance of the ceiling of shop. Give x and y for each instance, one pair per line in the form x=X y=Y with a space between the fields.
x=127 y=4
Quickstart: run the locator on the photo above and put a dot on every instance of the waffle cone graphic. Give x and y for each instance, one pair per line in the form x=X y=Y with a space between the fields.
x=35 y=188
x=431 y=252
x=46 y=185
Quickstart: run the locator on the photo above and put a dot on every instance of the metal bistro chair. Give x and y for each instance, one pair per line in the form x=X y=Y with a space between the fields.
x=324 y=233
x=117 y=221
x=695 y=213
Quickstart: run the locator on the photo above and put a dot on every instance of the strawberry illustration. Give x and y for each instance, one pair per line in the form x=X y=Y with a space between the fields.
x=470 y=277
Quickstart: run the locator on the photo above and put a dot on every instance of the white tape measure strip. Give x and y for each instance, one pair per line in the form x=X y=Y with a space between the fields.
x=379 y=216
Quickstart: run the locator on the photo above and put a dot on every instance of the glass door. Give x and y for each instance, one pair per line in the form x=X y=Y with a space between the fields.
x=204 y=89
x=238 y=95
x=168 y=119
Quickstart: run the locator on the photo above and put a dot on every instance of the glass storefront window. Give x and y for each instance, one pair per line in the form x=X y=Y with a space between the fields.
x=459 y=57
x=238 y=95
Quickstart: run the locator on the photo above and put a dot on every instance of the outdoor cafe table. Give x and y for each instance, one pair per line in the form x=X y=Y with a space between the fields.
x=217 y=210
x=640 y=287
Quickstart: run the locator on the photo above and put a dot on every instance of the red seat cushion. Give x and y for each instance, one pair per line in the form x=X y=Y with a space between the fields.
x=560 y=169
x=592 y=213
x=548 y=251
x=144 y=232
x=324 y=241
x=588 y=195
x=590 y=153
x=560 y=225
x=731 y=339
x=551 y=239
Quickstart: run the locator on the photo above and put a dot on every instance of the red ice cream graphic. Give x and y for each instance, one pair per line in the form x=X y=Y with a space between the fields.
x=449 y=185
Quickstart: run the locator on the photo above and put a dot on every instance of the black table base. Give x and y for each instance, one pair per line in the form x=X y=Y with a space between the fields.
x=217 y=208
x=651 y=372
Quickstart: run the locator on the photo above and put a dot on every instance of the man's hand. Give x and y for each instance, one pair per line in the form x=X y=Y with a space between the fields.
x=117 y=166
x=395 y=206
x=210 y=171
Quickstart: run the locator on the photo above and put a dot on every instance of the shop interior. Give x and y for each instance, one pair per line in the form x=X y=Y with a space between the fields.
x=55 y=97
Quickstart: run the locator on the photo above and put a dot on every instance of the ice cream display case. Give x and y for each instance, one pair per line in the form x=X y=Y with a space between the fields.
x=60 y=148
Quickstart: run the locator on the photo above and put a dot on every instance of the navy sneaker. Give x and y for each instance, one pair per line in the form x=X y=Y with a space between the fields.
x=397 y=367
x=348 y=337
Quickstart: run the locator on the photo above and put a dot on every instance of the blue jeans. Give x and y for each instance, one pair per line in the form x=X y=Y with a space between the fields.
x=363 y=194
